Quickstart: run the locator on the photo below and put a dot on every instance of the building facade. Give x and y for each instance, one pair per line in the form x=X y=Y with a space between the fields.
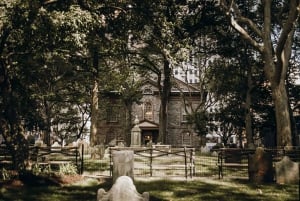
x=114 y=126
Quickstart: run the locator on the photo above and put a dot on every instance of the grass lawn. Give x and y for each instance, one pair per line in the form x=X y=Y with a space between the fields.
x=200 y=189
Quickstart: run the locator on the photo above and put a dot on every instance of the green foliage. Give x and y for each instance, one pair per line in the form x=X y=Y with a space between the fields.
x=45 y=170
x=200 y=120
x=41 y=170
x=67 y=169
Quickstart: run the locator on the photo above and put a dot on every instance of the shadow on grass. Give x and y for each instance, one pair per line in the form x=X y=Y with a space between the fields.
x=218 y=191
x=162 y=190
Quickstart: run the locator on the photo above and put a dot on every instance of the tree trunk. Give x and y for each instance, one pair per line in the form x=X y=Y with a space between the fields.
x=94 y=115
x=280 y=98
x=248 y=118
x=276 y=52
x=164 y=95
x=47 y=119
x=95 y=100
x=10 y=126
x=283 y=123
x=128 y=124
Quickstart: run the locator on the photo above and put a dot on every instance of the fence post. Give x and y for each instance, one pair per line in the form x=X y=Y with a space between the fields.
x=151 y=152
x=185 y=163
x=82 y=158
x=110 y=162
x=192 y=165
x=77 y=150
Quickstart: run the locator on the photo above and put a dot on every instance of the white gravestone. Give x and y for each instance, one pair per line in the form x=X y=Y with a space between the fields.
x=123 y=162
x=122 y=190
x=287 y=171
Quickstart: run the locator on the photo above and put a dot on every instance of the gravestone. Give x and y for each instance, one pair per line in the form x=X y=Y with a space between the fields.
x=260 y=166
x=204 y=149
x=38 y=142
x=122 y=190
x=287 y=171
x=122 y=163
x=55 y=146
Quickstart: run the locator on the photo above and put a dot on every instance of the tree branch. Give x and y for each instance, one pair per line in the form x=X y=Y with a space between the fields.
x=251 y=25
x=231 y=10
x=287 y=30
x=245 y=35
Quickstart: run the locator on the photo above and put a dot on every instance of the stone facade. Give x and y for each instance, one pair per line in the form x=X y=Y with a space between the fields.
x=114 y=126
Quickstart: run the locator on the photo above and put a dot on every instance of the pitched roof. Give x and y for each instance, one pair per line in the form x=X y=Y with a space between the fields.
x=178 y=86
x=146 y=124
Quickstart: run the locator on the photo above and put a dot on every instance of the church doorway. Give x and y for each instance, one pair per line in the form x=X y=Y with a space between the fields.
x=149 y=136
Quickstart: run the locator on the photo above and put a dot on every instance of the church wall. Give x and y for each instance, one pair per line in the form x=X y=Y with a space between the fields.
x=179 y=133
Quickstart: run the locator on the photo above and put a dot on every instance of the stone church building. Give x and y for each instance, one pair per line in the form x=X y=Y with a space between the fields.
x=116 y=119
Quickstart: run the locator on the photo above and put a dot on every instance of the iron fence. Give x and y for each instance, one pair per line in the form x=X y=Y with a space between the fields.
x=166 y=162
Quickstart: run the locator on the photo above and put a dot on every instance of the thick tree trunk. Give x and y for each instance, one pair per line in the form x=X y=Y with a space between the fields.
x=95 y=100
x=164 y=94
x=128 y=124
x=47 y=119
x=280 y=99
x=248 y=118
x=10 y=126
x=276 y=52
x=283 y=123
x=94 y=115
x=163 y=122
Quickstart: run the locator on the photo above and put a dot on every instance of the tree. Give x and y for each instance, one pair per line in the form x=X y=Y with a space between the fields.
x=272 y=36
x=53 y=57
x=16 y=17
x=24 y=62
x=158 y=36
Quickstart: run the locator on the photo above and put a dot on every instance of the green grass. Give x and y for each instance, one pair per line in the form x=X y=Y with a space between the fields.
x=202 y=189
x=198 y=189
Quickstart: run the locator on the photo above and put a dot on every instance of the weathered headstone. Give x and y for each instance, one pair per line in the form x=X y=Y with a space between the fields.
x=122 y=190
x=55 y=146
x=123 y=162
x=260 y=166
x=204 y=149
x=287 y=171
x=214 y=153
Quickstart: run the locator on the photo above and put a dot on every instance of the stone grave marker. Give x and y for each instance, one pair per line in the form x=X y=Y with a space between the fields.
x=122 y=190
x=287 y=171
x=260 y=166
x=123 y=162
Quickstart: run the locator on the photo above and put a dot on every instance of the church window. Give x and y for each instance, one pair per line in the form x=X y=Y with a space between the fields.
x=148 y=111
x=185 y=111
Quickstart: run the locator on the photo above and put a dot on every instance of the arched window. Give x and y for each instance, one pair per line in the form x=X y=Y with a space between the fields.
x=148 y=111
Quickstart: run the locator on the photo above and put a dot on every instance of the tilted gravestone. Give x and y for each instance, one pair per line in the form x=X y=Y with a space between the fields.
x=122 y=190
x=123 y=162
x=260 y=166
x=287 y=171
